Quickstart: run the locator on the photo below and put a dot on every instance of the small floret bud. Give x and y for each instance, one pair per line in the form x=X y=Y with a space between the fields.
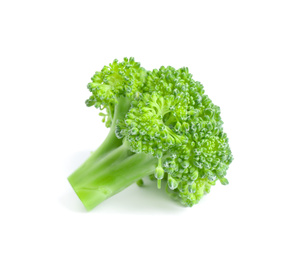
x=185 y=127
x=177 y=127
x=158 y=154
x=198 y=164
x=90 y=102
x=159 y=175
x=192 y=188
x=185 y=164
x=172 y=183
x=118 y=132
x=134 y=131
x=182 y=187
x=224 y=181
x=194 y=175
x=170 y=170
x=207 y=188
x=211 y=177
x=209 y=126
x=140 y=183
x=163 y=134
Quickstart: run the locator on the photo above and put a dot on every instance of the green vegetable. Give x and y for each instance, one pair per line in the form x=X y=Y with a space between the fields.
x=162 y=125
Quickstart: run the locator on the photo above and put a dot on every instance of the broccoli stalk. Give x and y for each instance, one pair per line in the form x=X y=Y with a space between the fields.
x=111 y=142
x=90 y=180
x=96 y=181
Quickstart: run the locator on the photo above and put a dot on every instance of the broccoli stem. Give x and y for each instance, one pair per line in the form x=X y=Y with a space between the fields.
x=111 y=141
x=96 y=181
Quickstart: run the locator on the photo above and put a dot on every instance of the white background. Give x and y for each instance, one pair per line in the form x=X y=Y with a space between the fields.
x=50 y=49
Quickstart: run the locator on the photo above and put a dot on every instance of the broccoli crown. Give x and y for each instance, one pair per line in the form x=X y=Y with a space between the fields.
x=175 y=122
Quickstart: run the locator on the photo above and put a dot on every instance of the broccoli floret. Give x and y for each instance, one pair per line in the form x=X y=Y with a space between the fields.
x=113 y=89
x=162 y=126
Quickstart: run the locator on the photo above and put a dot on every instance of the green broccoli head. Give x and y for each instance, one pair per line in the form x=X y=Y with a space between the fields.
x=182 y=128
x=169 y=130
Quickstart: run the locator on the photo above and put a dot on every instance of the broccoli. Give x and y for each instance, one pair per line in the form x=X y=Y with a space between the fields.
x=162 y=125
